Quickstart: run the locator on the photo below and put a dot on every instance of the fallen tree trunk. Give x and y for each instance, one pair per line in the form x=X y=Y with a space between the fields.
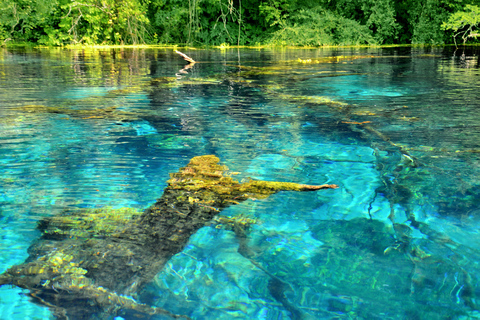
x=89 y=264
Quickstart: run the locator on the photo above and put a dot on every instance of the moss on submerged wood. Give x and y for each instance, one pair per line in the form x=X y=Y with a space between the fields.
x=89 y=264
x=110 y=112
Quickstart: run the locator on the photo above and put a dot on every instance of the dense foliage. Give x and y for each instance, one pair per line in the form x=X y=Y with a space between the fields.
x=239 y=22
x=463 y=23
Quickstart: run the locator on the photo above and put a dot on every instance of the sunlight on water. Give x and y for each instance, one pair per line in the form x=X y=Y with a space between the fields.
x=396 y=129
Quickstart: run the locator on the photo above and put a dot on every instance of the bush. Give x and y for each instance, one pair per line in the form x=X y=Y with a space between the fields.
x=320 y=27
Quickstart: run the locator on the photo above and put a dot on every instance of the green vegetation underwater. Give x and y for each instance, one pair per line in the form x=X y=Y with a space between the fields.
x=326 y=183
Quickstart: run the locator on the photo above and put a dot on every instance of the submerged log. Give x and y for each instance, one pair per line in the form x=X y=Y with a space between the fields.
x=89 y=264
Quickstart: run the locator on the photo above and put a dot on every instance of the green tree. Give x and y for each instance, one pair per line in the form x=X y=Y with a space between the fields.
x=319 y=27
x=426 y=17
x=331 y=22
x=25 y=20
x=169 y=20
x=56 y=22
x=464 y=23
x=207 y=22
x=196 y=21
x=102 y=21
x=381 y=20
x=215 y=22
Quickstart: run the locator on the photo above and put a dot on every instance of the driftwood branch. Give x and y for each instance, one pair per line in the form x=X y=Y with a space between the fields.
x=87 y=264
x=187 y=58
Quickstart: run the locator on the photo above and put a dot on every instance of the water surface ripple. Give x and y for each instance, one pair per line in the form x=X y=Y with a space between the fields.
x=397 y=129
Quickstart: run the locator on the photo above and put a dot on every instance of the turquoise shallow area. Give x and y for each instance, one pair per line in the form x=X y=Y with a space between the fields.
x=396 y=129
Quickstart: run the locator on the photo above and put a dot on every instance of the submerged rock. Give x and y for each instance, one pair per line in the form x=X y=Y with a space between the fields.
x=89 y=264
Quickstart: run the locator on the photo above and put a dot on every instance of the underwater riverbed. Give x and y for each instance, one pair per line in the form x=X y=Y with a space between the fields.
x=397 y=129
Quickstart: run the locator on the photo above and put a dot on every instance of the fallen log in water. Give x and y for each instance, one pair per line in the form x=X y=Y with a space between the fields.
x=90 y=264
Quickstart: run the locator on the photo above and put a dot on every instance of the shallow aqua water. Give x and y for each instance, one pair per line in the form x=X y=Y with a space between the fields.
x=397 y=129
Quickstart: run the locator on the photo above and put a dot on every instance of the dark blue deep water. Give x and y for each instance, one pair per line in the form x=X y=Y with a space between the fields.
x=398 y=130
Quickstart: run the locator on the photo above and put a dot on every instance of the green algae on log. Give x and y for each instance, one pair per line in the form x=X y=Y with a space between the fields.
x=83 y=268
x=111 y=112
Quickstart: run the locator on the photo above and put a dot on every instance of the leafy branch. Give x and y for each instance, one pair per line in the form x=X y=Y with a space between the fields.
x=463 y=23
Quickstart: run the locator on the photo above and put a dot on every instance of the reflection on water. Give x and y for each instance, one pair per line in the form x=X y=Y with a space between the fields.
x=396 y=129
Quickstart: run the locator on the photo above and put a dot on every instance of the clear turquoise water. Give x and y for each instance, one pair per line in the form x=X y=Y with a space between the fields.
x=396 y=129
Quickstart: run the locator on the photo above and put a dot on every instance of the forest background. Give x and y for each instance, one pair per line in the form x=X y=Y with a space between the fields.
x=239 y=22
